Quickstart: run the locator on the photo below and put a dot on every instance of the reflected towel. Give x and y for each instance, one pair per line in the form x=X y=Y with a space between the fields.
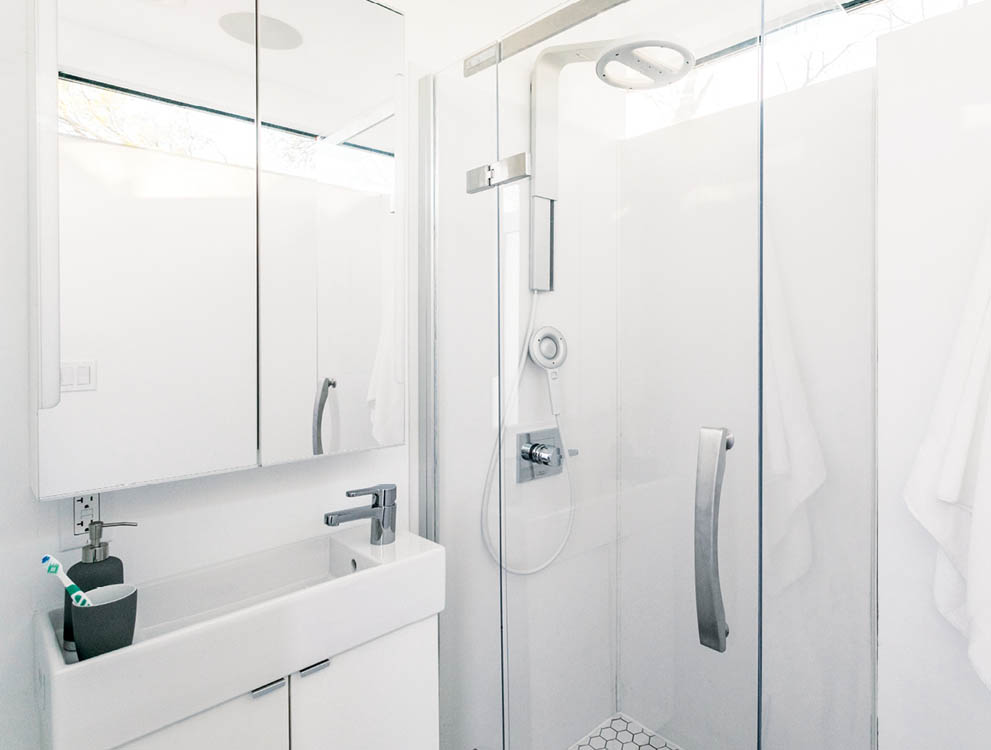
x=387 y=387
x=793 y=463
x=949 y=484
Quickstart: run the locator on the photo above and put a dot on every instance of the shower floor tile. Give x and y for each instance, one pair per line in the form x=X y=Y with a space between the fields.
x=620 y=732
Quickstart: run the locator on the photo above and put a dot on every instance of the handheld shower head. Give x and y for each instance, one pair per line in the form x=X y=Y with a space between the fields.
x=549 y=350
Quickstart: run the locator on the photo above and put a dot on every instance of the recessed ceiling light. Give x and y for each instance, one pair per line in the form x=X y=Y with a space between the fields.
x=272 y=33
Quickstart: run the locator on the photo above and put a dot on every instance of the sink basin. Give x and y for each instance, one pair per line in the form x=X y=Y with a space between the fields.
x=215 y=633
x=183 y=600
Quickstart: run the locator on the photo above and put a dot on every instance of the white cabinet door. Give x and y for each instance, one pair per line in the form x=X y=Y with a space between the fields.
x=245 y=723
x=381 y=695
x=162 y=327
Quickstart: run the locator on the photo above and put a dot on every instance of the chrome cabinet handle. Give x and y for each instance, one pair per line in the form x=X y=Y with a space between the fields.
x=271 y=687
x=314 y=668
x=713 y=444
x=318 y=405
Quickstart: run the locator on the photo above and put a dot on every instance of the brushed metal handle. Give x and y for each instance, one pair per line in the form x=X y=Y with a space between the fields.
x=318 y=406
x=270 y=687
x=713 y=444
x=314 y=668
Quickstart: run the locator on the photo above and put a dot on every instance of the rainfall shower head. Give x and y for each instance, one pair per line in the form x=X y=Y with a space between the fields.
x=644 y=64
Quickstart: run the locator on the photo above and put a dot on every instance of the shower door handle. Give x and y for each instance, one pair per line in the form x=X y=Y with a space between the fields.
x=713 y=444
x=318 y=407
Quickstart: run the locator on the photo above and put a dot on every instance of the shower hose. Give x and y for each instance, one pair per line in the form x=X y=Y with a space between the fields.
x=494 y=461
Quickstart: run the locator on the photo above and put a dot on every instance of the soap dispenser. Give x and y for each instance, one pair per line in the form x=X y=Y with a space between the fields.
x=97 y=568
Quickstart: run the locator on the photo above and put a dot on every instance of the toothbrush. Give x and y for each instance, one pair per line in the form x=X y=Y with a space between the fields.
x=54 y=567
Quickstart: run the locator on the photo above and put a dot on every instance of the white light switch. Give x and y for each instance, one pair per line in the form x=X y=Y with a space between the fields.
x=78 y=376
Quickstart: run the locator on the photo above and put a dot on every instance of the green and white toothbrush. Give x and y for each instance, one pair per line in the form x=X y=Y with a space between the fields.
x=54 y=567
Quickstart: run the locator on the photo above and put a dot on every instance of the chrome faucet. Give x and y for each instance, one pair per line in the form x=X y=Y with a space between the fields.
x=382 y=511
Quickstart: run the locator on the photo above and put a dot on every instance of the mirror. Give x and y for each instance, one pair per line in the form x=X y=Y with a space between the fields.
x=156 y=196
x=203 y=302
x=331 y=266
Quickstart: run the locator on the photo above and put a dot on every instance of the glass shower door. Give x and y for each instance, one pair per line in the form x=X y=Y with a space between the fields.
x=628 y=327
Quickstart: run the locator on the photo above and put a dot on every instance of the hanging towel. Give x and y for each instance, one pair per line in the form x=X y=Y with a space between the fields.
x=793 y=463
x=949 y=486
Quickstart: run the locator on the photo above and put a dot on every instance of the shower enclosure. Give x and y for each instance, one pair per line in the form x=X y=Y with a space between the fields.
x=639 y=248
x=652 y=256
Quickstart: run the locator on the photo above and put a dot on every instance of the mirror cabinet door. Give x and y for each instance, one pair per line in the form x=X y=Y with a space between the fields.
x=331 y=268
x=157 y=222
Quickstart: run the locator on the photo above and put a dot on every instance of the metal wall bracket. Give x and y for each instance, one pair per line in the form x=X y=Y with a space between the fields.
x=504 y=171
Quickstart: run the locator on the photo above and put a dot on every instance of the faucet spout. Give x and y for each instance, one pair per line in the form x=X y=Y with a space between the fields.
x=382 y=511
x=353 y=514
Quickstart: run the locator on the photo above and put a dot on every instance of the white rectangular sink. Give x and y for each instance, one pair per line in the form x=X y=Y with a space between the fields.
x=212 y=634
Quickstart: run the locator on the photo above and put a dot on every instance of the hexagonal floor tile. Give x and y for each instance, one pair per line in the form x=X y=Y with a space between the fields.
x=620 y=732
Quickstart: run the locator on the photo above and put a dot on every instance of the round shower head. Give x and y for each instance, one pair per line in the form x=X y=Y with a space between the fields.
x=644 y=64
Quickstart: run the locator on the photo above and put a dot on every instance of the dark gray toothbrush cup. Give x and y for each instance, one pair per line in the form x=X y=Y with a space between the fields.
x=108 y=623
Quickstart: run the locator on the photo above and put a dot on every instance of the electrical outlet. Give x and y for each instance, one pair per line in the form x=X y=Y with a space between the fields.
x=85 y=510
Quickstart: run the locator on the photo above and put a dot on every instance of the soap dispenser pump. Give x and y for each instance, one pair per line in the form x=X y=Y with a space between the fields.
x=97 y=568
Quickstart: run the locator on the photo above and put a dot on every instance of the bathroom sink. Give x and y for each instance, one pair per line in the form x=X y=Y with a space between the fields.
x=212 y=634
x=183 y=600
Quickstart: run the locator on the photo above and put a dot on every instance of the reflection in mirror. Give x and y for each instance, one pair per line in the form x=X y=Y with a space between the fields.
x=331 y=270
x=156 y=189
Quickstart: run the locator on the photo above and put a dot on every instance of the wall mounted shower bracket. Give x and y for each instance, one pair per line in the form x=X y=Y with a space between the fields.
x=503 y=172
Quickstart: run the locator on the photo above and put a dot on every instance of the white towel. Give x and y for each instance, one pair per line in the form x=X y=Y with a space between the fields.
x=793 y=463
x=949 y=484
x=386 y=387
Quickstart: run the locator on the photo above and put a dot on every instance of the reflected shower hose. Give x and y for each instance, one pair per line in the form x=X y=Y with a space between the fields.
x=493 y=462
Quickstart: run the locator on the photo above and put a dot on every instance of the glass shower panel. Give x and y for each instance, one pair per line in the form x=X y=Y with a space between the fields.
x=818 y=308
x=875 y=229
x=465 y=284
x=649 y=201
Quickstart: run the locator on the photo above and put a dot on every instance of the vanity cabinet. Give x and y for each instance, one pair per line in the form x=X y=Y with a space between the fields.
x=382 y=694
x=244 y=723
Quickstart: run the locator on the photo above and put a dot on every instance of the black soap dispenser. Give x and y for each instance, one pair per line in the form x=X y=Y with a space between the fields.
x=97 y=568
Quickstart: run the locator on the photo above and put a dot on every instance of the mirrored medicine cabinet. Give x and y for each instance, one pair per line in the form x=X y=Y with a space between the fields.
x=220 y=276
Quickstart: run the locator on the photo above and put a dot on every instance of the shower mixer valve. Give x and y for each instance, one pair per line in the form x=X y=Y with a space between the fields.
x=539 y=453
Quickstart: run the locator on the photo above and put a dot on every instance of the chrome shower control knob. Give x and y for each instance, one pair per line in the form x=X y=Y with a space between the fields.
x=538 y=453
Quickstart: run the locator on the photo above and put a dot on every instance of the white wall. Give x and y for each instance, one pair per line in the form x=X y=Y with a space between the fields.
x=27 y=526
x=934 y=144
x=182 y=525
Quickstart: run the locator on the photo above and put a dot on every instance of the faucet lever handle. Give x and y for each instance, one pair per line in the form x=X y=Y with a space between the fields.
x=383 y=494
